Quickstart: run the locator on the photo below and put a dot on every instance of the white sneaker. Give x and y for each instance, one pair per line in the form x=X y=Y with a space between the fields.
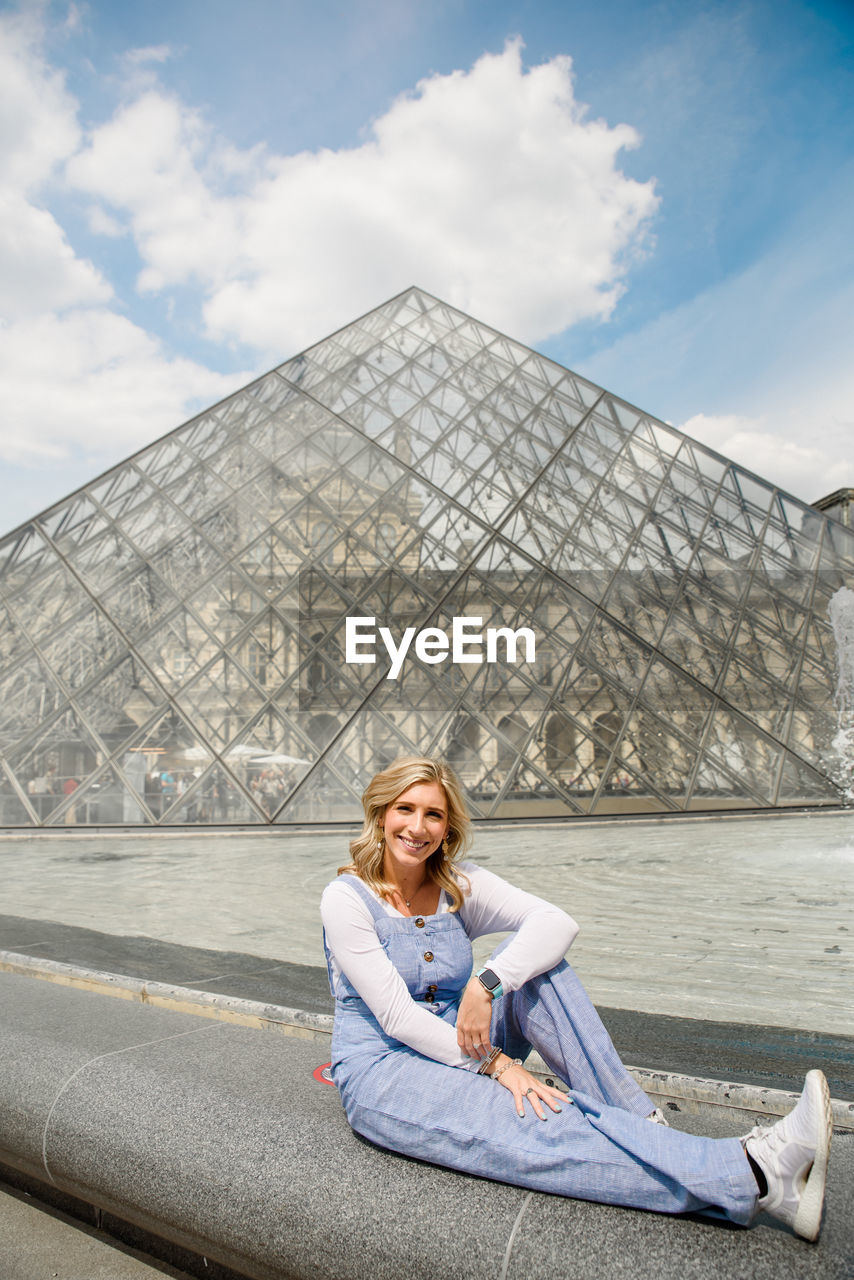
x=793 y=1156
x=658 y=1117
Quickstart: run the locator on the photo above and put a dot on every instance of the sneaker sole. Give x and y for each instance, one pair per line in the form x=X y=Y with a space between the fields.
x=807 y=1222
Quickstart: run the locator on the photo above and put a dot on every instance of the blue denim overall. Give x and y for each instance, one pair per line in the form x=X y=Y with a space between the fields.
x=600 y=1148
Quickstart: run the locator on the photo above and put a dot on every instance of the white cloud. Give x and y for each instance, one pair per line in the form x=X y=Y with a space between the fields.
x=38 y=117
x=74 y=374
x=489 y=187
x=91 y=379
x=149 y=162
x=149 y=53
x=102 y=223
x=38 y=268
x=38 y=129
x=801 y=469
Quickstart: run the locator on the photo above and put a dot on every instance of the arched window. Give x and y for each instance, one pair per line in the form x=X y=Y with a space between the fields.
x=322 y=538
x=606 y=727
x=515 y=729
x=322 y=729
x=387 y=538
x=560 y=746
x=315 y=675
x=463 y=741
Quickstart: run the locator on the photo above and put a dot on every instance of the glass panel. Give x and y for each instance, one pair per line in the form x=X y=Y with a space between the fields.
x=122 y=491
x=106 y=557
x=139 y=602
x=682 y=703
x=177 y=649
x=817 y=707
x=29 y=697
x=26 y=555
x=813 y=730
x=207 y=795
x=530 y=792
x=269 y=649
x=652 y=759
x=697 y=634
x=801 y=785
x=270 y=759
x=105 y=799
x=745 y=754
x=557 y=765
x=331 y=791
x=220 y=701
x=50 y=763
x=16 y=809
x=615 y=652
x=717 y=788
x=640 y=610
x=168 y=460
x=83 y=649
x=121 y=700
x=15 y=645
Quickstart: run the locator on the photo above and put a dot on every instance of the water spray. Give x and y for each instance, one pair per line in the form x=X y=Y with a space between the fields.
x=841 y=612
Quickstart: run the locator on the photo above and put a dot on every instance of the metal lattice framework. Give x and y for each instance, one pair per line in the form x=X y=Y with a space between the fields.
x=172 y=645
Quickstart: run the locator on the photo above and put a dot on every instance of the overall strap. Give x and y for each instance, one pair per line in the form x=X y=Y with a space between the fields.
x=369 y=899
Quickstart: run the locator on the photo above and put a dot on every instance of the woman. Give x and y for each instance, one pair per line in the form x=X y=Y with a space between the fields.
x=420 y=1042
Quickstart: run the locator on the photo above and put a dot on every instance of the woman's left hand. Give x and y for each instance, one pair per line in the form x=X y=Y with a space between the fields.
x=527 y=1088
x=473 y=1020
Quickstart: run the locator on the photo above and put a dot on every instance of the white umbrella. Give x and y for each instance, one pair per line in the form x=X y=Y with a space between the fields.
x=193 y=753
x=241 y=749
x=279 y=759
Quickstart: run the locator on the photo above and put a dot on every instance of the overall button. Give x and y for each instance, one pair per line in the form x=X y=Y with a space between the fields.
x=429 y=998
x=428 y=955
x=432 y=987
x=419 y=922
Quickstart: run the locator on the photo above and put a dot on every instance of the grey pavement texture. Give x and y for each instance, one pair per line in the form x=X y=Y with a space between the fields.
x=37 y=1243
x=221 y=1138
x=777 y=1057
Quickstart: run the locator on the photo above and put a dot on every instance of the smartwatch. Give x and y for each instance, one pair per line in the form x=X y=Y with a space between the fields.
x=491 y=982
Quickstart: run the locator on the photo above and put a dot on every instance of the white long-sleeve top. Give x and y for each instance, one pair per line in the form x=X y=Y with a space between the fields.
x=543 y=934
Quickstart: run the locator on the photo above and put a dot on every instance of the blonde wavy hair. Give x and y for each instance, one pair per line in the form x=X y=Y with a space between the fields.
x=367 y=851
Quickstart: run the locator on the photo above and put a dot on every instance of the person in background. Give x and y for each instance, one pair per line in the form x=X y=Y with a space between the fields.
x=69 y=786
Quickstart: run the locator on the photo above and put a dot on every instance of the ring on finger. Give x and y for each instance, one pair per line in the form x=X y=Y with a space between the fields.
x=527 y=1091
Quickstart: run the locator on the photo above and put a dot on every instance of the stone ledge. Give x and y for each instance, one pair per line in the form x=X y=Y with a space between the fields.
x=668 y=1088
x=221 y=1139
x=177 y=999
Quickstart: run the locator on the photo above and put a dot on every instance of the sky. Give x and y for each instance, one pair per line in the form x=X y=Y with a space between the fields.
x=657 y=195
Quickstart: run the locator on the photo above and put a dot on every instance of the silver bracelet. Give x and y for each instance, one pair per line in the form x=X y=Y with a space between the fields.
x=514 y=1062
x=487 y=1062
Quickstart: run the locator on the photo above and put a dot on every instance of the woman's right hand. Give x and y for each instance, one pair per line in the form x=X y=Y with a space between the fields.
x=523 y=1085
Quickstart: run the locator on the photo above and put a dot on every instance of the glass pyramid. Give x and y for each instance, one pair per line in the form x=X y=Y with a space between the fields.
x=173 y=644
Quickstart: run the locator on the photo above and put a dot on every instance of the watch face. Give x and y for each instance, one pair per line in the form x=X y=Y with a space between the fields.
x=490 y=980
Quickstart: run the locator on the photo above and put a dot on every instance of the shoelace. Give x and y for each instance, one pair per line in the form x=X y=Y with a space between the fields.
x=758 y=1131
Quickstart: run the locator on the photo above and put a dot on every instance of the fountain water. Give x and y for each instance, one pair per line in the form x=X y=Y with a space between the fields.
x=841 y=611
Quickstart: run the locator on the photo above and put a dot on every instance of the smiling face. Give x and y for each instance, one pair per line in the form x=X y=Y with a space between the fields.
x=415 y=825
